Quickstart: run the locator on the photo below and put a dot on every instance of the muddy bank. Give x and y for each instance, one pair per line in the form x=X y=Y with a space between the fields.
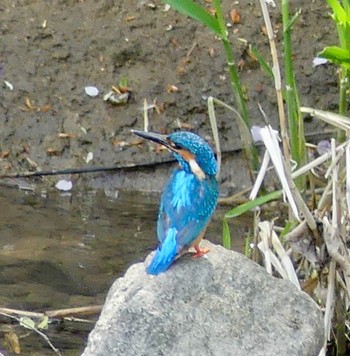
x=51 y=50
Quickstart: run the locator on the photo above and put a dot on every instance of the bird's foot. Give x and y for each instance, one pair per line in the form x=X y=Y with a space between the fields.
x=200 y=252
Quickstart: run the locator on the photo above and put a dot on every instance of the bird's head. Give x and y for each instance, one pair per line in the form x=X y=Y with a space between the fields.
x=194 y=154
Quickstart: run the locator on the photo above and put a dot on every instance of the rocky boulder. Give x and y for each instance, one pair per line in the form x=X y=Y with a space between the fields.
x=220 y=304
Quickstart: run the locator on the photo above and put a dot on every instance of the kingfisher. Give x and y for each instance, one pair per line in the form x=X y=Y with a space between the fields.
x=189 y=198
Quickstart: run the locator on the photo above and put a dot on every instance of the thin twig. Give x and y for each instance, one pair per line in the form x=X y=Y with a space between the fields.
x=30 y=327
x=316 y=162
x=236 y=198
x=335 y=161
x=191 y=49
x=60 y=313
x=26 y=313
x=145 y=116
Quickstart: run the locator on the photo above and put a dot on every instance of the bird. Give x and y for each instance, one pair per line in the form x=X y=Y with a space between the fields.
x=188 y=200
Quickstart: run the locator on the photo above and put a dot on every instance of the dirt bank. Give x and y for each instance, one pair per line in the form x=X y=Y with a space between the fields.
x=51 y=50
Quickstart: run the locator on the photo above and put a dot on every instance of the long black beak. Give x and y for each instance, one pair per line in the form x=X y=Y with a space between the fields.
x=155 y=137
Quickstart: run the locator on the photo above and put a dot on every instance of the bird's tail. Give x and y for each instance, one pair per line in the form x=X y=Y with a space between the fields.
x=165 y=254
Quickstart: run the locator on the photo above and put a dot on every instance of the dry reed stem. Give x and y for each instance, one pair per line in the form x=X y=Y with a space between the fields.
x=340 y=121
x=145 y=116
x=330 y=302
x=214 y=128
x=277 y=77
x=281 y=260
x=347 y=168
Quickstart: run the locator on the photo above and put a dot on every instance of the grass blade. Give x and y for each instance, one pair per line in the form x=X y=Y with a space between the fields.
x=248 y=206
x=339 y=12
x=264 y=65
x=226 y=235
x=336 y=55
x=198 y=13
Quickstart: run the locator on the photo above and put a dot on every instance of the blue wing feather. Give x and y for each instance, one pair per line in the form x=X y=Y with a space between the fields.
x=186 y=207
x=165 y=254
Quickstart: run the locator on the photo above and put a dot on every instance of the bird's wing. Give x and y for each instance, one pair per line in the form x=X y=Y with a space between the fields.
x=186 y=206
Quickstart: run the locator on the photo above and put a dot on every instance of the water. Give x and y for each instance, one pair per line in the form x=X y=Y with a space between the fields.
x=65 y=250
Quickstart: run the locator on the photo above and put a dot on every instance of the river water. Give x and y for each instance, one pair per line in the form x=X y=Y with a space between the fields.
x=62 y=250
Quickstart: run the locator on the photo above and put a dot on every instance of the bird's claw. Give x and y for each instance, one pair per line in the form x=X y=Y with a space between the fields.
x=200 y=252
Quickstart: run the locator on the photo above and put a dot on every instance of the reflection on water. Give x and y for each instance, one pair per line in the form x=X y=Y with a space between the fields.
x=70 y=244
x=65 y=250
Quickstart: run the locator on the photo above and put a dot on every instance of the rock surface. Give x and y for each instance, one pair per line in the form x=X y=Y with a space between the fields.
x=220 y=305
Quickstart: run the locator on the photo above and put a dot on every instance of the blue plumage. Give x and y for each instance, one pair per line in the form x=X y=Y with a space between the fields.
x=189 y=198
x=165 y=254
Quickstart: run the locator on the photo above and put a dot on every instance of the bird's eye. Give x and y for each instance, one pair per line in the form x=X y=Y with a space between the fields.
x=175 y=146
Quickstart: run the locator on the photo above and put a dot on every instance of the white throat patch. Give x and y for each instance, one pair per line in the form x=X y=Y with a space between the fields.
x=197 y=171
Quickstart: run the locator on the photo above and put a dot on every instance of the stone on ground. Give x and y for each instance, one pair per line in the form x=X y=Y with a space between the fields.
x=221 y=304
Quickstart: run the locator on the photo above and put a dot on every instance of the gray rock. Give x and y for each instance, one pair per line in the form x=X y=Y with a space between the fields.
x=220 y=305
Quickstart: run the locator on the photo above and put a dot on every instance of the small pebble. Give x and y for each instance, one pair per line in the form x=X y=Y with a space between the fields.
x=91 y=91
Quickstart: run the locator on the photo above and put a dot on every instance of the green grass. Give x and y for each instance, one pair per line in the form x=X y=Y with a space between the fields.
x=340 y=55
x=217 y=25
x=295 y=120
x=303 y=225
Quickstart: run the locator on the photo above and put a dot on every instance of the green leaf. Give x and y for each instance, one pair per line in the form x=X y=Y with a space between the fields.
x=339 y=12
x=123 y=83
x=243 y=208
x=198 y=13
x=261 y=61
x=336 y=55
x=292 y=21
x=226 y=236
x=27 y=323
x=247 y=248
x=290 y=225
x=44 y=323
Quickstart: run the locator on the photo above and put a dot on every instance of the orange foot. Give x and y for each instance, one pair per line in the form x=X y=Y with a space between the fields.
x=199 y=252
